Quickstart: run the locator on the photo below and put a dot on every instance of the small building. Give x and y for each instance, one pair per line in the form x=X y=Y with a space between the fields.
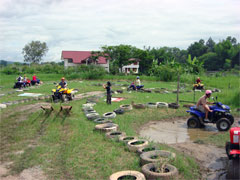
x=132 y=67
x=76 y=58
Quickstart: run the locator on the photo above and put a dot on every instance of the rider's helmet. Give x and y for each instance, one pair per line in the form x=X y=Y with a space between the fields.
x=208 y=92
x=137 y=77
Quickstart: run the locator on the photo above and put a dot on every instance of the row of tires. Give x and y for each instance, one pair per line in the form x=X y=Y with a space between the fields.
x=155 y=163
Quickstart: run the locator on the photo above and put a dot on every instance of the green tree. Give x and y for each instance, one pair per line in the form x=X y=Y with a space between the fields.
x=34 y=51
x=210 y=61
x=197 y=48
x=210 y=45
x=119 y=54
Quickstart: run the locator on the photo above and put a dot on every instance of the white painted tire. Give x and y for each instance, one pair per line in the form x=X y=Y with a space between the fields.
x=115 y=135
x=162 y=104
x=126 y=107
x=126 y=139
x=107 y=127
x=156 y=156
x=89 y=105
x=109 y=115
x=92 y=116
x=133 y=146
x=151 y=105
x=131 y=174
x=102 y=121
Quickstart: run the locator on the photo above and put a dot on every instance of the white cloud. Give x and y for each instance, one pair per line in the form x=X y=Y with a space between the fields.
x=89 y=24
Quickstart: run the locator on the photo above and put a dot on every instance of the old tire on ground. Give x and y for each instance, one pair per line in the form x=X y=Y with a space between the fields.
x=146 y=149
x=151 y=171
x=92 y=116
x=119 y=111
x=110 y=115
x=223 y=124
x=107 y=127
x=162 y=104
x=151 y=105
x=193 y=122
x=102 y=121
x=125 y=139
x=115 y=135
x=89 y=111
x=156 y=156
x=126 y=107
x=134 y=145
x=127 y=175
x=173 y=105
x=87 y=108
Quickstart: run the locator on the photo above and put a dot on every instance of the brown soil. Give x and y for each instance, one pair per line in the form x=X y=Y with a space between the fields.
x=34 y=173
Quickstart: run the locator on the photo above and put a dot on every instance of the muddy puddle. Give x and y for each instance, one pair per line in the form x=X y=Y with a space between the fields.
x=175 y=132
x=212 y=160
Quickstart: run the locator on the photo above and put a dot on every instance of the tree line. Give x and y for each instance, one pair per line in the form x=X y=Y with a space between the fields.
x=199 y=56
x=208 y=55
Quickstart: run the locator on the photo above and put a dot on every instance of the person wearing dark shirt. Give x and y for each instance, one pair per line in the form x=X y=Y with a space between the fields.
x=63 y=83
x=198 y=80
x=109 y=94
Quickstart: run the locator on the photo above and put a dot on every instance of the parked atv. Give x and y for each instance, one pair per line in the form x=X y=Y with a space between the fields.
x=220 y=115
x=62 y=94
x=232 y=147
x=198 y=86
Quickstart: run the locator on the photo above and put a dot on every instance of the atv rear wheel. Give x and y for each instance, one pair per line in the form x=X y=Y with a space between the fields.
x=193 y=122
x=223 y=124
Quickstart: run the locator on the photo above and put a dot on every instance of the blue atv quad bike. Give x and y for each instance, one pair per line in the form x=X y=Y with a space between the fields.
x=220 y=115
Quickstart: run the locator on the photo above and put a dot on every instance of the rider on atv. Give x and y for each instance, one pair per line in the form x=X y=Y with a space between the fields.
x=63 y=83
x=202 y=104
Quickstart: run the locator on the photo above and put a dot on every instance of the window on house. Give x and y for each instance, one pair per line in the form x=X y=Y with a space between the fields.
x=70 y=61
x=134 y=69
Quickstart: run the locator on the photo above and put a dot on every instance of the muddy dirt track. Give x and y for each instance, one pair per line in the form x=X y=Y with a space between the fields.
x=213 y=161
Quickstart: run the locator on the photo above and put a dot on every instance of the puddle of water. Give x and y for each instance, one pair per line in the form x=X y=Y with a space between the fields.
x=175 y=132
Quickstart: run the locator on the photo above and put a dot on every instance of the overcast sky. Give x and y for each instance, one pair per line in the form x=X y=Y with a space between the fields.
x=90 y=24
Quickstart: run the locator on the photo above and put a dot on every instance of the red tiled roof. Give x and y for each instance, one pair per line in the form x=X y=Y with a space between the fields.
x=79 y=56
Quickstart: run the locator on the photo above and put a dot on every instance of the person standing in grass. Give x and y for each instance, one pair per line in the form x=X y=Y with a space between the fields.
x=109 y=94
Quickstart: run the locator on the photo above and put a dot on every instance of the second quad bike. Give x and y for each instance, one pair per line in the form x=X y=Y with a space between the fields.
x=198 y=86
x=221 y=116
x=62 y=94
x=232 y=147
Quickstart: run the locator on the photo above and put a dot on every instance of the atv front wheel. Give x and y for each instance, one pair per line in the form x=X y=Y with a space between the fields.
x=193 y=122
x=63 y=98
x=223 y=124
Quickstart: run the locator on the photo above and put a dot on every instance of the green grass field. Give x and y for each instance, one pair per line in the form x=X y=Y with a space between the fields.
x=67 y=147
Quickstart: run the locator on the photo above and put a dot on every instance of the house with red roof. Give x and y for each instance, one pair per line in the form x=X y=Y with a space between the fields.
x=75 y=58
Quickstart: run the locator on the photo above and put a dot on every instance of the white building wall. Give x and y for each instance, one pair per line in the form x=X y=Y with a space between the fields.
x=131 y=67
x=67 y=64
